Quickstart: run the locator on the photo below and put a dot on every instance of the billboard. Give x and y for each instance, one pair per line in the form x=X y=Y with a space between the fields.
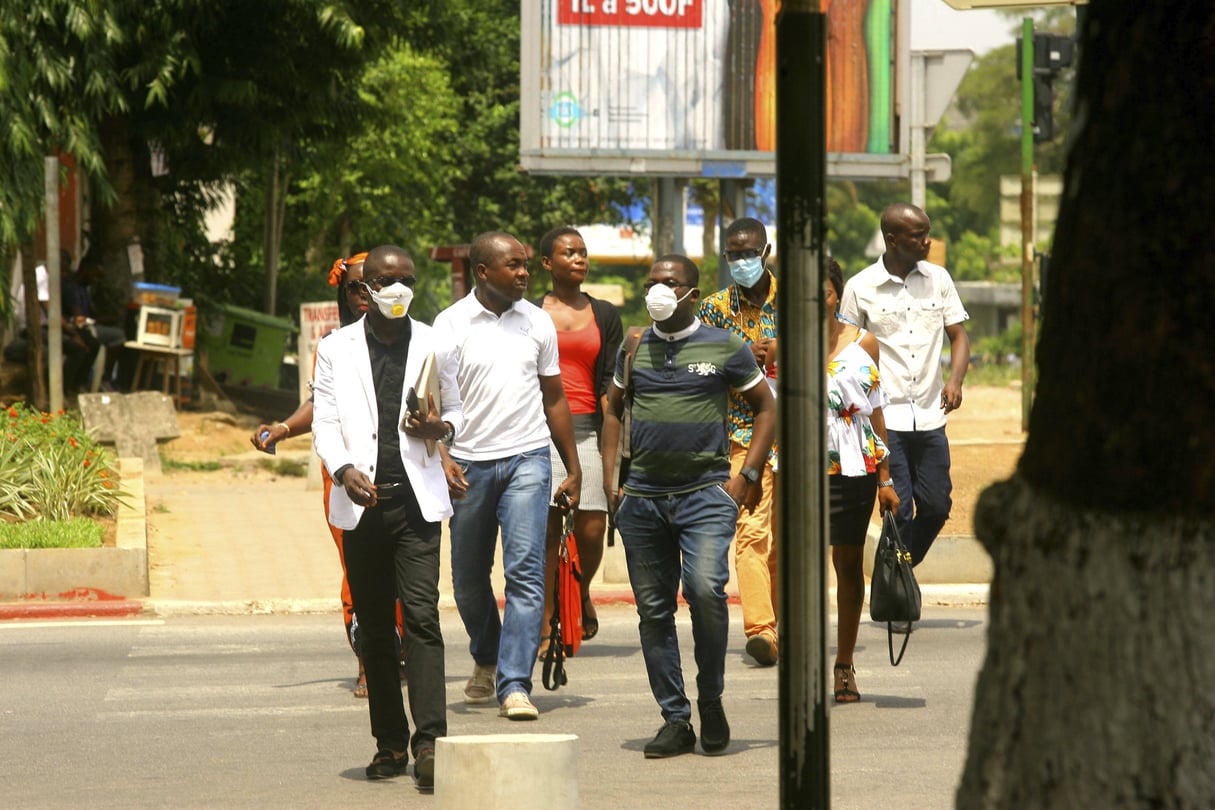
x=688 y=87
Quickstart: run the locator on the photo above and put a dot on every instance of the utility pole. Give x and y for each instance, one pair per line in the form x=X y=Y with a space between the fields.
x=1041 y=57
x=801 y=210
x=1027 y=220
x=54 y=307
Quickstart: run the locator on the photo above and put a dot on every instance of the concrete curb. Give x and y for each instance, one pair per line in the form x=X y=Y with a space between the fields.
x=933 y=595
x=240 y=607
x=72 y=609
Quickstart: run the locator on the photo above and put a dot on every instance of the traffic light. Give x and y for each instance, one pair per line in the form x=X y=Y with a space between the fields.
x=1052 y=53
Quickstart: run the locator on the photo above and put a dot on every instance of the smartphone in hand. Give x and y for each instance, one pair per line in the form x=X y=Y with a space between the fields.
x=265 y=434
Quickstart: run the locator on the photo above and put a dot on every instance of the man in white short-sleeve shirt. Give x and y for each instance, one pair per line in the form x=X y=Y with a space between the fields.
x=510 y=387
x=911 y=305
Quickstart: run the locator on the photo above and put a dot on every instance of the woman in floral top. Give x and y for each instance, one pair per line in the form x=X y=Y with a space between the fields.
x=857 y=468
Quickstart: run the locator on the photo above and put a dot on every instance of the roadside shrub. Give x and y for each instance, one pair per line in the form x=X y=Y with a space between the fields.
x=51 y=469
x=75 y=533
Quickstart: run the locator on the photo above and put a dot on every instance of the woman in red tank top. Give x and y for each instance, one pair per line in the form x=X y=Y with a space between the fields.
x=588 y=335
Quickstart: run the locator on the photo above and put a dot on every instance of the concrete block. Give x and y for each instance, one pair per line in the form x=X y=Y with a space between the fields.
x=614 y=569
x=86 y=573
x=506 y=771
x=952 y=560
x=133 y=423
x=132 y=519
x=12 y=573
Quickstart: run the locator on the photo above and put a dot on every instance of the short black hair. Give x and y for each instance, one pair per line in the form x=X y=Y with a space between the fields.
x=746 y=226
x=691 y=271
x=377 y=255
x=895 y=213
x=549 y=239
x=484 y=247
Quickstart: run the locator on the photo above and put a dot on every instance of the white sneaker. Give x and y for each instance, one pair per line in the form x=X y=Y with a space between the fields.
x=480 y=687
x=518 y=706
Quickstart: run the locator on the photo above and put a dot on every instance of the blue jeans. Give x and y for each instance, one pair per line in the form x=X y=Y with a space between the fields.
x=512 y=493
x=919 y=467
x=667 y=538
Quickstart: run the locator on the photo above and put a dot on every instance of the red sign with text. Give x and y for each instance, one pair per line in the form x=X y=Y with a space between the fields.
x=631 y=13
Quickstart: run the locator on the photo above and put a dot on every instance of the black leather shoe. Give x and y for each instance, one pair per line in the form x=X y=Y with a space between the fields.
x=714 y=730
x=424 y=769
x=673 y=739
x=387 y=764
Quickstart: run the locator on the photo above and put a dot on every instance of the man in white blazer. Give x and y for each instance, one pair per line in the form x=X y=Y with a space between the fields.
x=389 y=494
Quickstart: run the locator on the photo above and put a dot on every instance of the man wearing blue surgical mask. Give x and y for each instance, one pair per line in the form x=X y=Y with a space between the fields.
x=748 y=309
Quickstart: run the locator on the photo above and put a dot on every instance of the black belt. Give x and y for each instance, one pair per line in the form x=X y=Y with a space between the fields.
x=391 y=489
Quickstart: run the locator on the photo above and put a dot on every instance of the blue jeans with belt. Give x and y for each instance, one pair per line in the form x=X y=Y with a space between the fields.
x=668 y=538
x=513 y=493
x=919 y=467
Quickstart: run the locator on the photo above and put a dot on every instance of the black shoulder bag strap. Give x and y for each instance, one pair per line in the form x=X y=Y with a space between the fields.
x=624 y=450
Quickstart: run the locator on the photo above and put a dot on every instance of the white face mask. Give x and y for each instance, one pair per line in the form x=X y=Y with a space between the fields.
x=393 y=301
x=661 y=302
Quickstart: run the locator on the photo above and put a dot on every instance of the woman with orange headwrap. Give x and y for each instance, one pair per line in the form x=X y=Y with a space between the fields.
x=347 y=276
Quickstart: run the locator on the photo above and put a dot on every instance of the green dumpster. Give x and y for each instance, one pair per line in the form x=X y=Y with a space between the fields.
x=243 y=347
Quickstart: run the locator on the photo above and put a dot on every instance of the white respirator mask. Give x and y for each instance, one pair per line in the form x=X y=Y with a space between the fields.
x=661 y=302
x=393 y=301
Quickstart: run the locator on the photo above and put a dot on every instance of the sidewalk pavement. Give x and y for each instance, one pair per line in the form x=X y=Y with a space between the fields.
x=239 y=542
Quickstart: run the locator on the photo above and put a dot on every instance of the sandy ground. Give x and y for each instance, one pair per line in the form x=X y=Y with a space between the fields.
x=985 y=436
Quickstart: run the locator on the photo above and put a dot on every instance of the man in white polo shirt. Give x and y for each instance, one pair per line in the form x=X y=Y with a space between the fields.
x=510 y=385
x=911 y=305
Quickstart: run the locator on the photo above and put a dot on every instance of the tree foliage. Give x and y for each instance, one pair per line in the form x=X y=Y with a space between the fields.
x=349 y=123
x=57 y=78
x=983 y=138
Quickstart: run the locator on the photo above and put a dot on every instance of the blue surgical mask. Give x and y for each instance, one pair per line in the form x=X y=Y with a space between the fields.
x=746 y=272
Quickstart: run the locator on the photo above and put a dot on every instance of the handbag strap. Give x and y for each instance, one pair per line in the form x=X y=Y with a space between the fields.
x=890 y=529
x=552 y=675
x=894 y=662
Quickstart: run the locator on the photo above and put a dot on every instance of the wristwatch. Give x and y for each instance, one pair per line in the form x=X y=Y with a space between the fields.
x=887 y=483
x=751 y=474
x=450 y=435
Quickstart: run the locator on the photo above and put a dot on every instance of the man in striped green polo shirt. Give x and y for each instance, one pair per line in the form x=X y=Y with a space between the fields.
x=679 y=504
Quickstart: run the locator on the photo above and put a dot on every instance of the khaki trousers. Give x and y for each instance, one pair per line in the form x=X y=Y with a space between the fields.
x=755 y=554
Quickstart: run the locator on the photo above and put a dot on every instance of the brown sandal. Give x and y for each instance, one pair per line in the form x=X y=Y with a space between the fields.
x=845 y=679
x=360 y=685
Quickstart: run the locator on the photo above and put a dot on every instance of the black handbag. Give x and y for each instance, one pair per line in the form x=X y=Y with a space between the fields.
x=894 y=595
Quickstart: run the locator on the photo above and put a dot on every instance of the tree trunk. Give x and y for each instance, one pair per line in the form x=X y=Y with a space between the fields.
x=35 y=353
x=276 y=211
x=115 y=223
x=1096 y=687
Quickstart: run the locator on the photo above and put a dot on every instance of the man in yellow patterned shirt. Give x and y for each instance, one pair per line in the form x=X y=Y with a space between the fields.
x=748 y=308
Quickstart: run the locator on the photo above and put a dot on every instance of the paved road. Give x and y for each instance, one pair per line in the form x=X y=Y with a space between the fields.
x=255 y=711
